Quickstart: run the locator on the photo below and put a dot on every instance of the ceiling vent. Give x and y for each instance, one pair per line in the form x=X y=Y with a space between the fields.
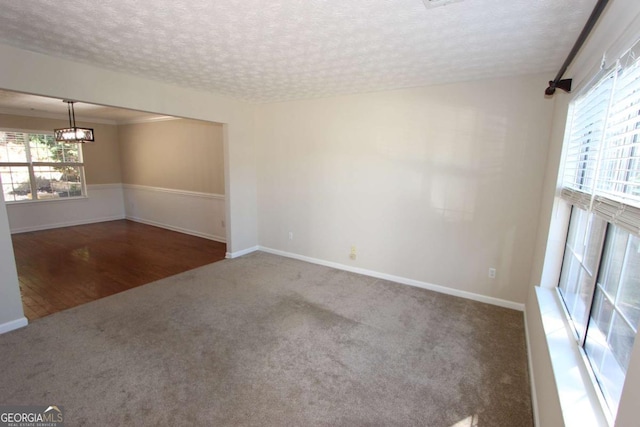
x=429 y=4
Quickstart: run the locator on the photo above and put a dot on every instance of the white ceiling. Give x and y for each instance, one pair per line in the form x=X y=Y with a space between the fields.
x=278 y=50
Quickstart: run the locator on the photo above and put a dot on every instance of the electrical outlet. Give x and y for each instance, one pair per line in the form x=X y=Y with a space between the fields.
x=353 y=254
x=492 y=273
x=291 y=235
x=222 y=223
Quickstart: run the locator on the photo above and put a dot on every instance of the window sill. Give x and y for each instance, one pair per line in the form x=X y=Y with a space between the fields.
x=59 y=199
x=580 y=400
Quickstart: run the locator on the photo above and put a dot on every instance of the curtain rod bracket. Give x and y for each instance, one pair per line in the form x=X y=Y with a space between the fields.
x=564 y=84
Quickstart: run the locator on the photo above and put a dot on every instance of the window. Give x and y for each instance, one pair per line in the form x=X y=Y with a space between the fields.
x=600 y=276
x=615 y=312
x=600 y=286
x=33 y=166
x=580 y=265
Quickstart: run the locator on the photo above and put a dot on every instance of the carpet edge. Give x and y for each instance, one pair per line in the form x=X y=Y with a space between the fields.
x=398 y=279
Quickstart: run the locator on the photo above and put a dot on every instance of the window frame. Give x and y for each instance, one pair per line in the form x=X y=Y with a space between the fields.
x=620 y=210
x=580 y=336
x=31 y=166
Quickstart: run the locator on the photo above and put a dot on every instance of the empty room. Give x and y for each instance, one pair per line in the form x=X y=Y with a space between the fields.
x=430 y=210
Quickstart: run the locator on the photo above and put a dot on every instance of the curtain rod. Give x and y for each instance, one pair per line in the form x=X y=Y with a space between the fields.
x=565 y=84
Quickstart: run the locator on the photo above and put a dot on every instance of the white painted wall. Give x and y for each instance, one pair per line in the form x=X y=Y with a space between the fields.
x=434 y=184
x=104 y=202
x=11 y=314
x=198 y=214
x=617 y=30
x=44 y=75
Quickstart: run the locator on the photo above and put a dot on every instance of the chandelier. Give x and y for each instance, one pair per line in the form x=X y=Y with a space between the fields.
x=73 y=133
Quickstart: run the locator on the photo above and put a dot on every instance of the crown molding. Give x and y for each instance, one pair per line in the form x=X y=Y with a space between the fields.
x=148 y=120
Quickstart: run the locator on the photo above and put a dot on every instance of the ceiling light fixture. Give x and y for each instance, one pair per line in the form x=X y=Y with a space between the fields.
x=73 y=133
x=435 y=3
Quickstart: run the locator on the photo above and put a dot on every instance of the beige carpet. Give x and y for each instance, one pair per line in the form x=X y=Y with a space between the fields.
x=270 y=341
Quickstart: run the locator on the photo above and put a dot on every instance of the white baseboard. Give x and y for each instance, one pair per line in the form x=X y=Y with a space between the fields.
x=178 y=229
x=534 y=396
x=65 y=224
x=13 y=325
x=231 y=255
x=403 y=280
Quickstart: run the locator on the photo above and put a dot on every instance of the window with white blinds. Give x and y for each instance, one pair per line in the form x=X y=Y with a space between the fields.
x=589 y=114
x=602 y=162
x=600 y=277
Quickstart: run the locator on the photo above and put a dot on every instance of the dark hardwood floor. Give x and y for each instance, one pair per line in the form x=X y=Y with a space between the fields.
x=66 y=267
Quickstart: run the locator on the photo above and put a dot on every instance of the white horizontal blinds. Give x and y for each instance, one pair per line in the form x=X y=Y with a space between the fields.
x=602 y=167
x=619 y=173
x=617 y=193
x=577 y=198
x=622 y=215
x=586 y=134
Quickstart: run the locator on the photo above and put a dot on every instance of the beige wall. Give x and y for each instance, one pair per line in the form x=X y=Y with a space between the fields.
x=188 y=154
x=435 y=184
x=177 y=154
x=101 y=159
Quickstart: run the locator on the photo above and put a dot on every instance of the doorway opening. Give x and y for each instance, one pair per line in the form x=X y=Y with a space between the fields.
x=153 y=203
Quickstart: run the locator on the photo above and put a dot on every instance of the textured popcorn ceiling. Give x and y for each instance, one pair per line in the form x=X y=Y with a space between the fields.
x=290 y=49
